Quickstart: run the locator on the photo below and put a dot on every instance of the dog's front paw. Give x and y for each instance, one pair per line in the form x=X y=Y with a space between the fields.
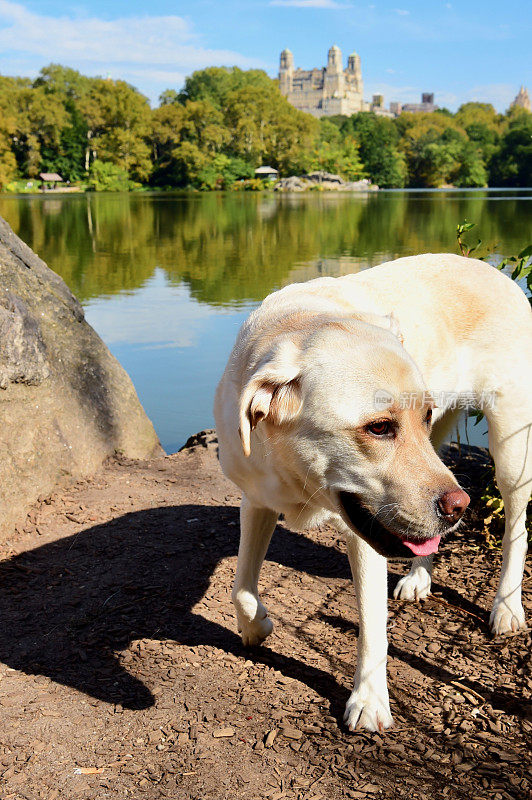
x=414 y=586
x=369 y=709
x=256 y=631
x=507 y=616
x=253 y=621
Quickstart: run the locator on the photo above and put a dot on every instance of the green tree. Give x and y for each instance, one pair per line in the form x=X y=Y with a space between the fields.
x=64 y=82
x=168 y=97
x=214 y=84
x=512 y=164
x=482 y=125
x=472 y=170
x=477 y=113
x=329 y=131
x=486 y=139
x=226 y=121
x=67 y=156
x=8 y=127
x=118 y=121
x=39 y=119
x=203 y=125
x=342 y=159
x=190 y=162
x=433 y=145
x=197 y=138
x=335 y=152
x=265 y=128
x=108 y=177
x=166 y=130
x=378 y=140
x=221 y=171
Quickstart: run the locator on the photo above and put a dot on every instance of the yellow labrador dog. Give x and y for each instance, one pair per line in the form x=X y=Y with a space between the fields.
x=332 y=402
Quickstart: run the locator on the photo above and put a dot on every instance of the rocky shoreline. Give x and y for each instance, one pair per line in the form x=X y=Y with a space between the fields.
x=323 y=181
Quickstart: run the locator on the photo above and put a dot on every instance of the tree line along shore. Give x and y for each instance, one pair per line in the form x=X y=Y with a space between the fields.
x=102 y=134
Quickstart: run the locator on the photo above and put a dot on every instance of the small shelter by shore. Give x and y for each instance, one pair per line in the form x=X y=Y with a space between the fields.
x=267 y=173
x=50 y=180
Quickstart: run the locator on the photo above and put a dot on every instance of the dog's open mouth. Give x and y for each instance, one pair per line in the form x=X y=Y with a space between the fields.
x=384 y=541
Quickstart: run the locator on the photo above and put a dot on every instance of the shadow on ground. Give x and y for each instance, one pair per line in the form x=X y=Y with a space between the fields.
x=67 y=608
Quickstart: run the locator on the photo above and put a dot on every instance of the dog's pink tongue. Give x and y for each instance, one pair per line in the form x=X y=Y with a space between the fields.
x=424 y=548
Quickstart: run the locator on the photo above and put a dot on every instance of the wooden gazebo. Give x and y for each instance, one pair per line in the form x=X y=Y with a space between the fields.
x=267 y=173
x=50 y=180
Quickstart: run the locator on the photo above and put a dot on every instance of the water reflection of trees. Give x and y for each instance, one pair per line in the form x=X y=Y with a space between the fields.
x=232 y=248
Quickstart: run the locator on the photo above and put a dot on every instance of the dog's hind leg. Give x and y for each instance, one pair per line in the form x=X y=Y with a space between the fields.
x=445 y=427
x=256 y=528
x=416 y=584
x=510 y=441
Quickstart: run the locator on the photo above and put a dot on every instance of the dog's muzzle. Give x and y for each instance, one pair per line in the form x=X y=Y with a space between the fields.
x=395 y=545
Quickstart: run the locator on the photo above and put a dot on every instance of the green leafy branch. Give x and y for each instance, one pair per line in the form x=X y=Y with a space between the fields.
x=462 y=228
x=521 y=263
x=492 y=514
x=522 y=268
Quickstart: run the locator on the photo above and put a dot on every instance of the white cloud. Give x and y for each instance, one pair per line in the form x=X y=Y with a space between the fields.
x=309 y=3
x=167 y=46
x=402 y=12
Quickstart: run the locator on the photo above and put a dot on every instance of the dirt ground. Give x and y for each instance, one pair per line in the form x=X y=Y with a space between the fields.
x=122 y=675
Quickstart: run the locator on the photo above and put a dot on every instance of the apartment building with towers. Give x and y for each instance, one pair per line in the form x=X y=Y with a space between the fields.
x=324 y=91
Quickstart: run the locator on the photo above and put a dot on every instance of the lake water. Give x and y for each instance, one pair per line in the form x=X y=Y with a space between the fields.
x=167 y=279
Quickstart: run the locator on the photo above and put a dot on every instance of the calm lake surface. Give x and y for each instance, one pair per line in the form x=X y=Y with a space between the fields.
x=166 y=279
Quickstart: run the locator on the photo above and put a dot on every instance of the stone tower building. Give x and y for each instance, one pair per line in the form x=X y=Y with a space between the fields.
x=522 y=100
x=326 y=91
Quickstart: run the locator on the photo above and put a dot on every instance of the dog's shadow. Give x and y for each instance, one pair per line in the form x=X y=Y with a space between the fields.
x=67 y=608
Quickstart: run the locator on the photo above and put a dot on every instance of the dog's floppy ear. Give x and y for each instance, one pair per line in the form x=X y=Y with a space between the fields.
x=272 y=394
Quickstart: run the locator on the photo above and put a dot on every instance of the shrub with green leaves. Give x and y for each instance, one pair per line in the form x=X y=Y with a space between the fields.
x=105 y=176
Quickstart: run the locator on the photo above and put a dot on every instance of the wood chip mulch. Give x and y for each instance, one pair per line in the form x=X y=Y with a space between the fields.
x=122 y=675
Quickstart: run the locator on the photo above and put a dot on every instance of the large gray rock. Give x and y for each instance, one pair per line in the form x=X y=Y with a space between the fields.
x=324 y=181
x=320 y=176
x=292 y=184
x=65 y=402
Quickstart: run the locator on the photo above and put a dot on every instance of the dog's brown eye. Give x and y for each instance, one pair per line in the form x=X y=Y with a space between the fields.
x=381 y=428
x=428 y=418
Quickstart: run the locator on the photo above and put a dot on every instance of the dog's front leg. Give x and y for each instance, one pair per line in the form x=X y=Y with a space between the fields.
x=256 y=528
x=368 y=706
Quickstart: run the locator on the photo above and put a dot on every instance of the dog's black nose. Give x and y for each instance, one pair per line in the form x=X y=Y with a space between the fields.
x=453 y=504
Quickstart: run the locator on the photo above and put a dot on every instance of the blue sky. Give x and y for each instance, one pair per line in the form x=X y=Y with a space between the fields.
x=467 y=50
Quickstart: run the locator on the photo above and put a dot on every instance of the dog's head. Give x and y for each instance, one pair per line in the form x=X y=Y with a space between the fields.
x=343 y=415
